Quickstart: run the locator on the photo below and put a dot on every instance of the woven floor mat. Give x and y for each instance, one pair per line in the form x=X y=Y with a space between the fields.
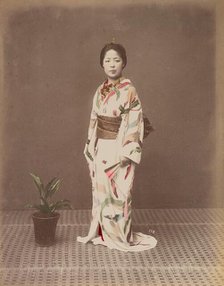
x=190 y=251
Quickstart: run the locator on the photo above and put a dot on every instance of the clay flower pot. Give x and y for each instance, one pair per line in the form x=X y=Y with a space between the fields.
x=46 y=218
x=45 y=227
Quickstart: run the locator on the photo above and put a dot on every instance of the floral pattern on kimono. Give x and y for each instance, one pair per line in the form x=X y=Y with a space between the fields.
x=111 y=182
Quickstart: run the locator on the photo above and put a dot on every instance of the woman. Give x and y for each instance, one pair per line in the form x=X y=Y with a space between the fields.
x=113 y=149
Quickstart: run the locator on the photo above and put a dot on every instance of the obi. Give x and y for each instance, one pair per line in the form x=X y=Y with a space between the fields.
x=108 y=127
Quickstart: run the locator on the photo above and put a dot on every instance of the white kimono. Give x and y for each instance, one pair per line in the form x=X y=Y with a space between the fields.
x=112 y=183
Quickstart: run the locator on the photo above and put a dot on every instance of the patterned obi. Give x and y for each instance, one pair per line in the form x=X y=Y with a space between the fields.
x=108 y=127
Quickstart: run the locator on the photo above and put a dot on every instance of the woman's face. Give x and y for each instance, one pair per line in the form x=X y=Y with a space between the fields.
x=113 y=65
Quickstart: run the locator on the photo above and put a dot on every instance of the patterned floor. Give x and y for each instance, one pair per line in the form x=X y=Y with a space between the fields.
x=190 y=251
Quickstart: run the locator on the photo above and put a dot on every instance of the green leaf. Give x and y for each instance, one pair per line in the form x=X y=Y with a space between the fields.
x=46 y=204
x=61 y=204
x=45 y=193
x=38 y=183
x=52 y=187
x=41 y=208
x=55 y=187
x=47 y=187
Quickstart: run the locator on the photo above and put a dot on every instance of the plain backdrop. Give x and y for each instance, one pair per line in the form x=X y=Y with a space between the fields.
x=51 y=71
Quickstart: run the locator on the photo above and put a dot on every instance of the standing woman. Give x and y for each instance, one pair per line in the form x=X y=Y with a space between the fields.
x=113 y=149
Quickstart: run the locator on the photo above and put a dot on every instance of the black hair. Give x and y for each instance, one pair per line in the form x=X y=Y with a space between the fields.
x=116 y=47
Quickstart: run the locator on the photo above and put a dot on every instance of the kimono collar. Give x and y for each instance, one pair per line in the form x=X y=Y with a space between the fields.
x=107 y=88
x=116 y=83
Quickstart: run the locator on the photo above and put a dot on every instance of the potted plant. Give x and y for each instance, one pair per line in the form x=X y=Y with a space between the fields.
x=45 y=218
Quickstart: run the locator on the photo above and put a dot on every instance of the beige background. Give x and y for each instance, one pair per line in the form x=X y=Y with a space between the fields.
x=50 y=70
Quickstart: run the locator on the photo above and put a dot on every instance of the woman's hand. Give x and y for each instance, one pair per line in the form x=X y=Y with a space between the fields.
x=124 y=161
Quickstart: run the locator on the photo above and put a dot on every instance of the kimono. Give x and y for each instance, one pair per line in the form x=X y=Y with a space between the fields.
x=112 y=182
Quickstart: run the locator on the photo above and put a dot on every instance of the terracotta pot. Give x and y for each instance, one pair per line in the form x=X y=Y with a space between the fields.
x=45 y=227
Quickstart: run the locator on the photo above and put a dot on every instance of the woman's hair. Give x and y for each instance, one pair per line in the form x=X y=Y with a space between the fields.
x=116 y=47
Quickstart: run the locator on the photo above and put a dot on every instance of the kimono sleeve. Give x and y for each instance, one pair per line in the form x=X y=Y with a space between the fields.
x=91 y=128
x=93 y=118
x=133 y=137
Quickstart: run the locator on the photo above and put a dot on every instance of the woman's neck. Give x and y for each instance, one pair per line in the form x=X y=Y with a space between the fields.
x=114 y=81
